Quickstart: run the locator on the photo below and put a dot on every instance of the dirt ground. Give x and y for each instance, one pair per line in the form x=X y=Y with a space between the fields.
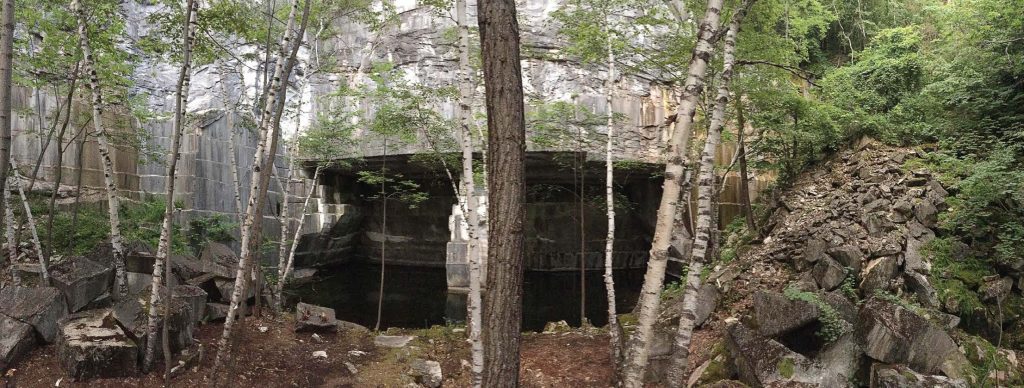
x=280 y=357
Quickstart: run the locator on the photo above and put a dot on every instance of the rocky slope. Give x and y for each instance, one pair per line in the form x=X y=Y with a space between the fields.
x=847 y=290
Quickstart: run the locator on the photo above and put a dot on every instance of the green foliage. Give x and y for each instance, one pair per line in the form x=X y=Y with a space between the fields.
x=393 y=187
x=218 y=228
x=832 y=324
x=141 y=221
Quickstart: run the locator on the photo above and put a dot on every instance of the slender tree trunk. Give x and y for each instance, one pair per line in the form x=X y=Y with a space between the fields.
x=705 y=209
x=230 y=109
x=162 y=266
x=285 y=220
x=12 y=249
x=286 y=271
x=464 y=115
x=60 y=161
x=44 y=262
x=506 y=146
x=614 y=332
x=78 y=180
x=383 y=234
x=263 y=163
x=113 y=202
x=6 y=65
x=650 y=297
x=748 y=210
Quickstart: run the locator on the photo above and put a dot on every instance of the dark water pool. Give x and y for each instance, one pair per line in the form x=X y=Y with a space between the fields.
x=418 y=297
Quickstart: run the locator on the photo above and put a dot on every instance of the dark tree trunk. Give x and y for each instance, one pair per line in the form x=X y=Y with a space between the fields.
x=747 y=209
x=506 y=146
x=6 y=62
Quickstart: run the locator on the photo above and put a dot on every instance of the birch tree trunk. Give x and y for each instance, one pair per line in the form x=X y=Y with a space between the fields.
x=650 y=297
x=285 y=221
x=113 y=202
x=464 y=115
x=161 y=266
x=614 y=332
x=12 y=249
x=6 y=68
x=676 y=372
x=263 y=163
x=506 y=146
x=286 y=271
x=44 y=262
x=231 y=109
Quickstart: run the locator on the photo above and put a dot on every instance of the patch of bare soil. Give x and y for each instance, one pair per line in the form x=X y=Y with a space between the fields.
x=280 y=357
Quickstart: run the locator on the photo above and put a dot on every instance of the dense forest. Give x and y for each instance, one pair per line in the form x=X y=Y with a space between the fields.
x=175 y=172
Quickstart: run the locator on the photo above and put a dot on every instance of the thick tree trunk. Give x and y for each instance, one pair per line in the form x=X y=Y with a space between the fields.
x=506 y=146
x=286 y=271
x=705 y=209
x=113 y=202
x=464 y=116
x=650 y=297
x=263 y=162
x=44 y=262
x=6 y=67
x=161 y=265
x=614 y=332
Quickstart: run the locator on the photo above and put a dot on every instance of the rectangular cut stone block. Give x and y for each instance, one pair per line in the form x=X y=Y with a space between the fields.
x=194 y=297
x=41 y=307
x=81 y=280
x=92 y=345
x=457 y=265
x=16 y=340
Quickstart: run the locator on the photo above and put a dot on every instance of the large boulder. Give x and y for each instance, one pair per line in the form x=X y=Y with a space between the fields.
x=92 y=345
x=777 y=315
x=219 y=259
x=878 y=274
x=16 y=340
x=891 y=333
x=762 y=361
x=81 y=280
x=132 y=315
x=41 y=307
x=194 y=297
x=314 y=318
x=894 y=376
x=828 y=274
x=426 y=373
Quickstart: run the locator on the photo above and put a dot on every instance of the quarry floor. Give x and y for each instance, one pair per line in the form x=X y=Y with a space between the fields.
x=280 y=357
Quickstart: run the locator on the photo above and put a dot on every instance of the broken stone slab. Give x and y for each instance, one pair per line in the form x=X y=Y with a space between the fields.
x=898 y=376
x=392 y=341
x=194 y=297
x=828 y=274
x=226 y=287
x=891 y=333
x=41 y=307
x=92 y=345
x=842 y=356
x=314 y=318
x=349 y=326
x=776 y=314
x=913 y=259
x=878 y=273
x=186 y=267
x=926 y=214
x=707 y=301
x=16 y=340
x=215 y=312
x=81 y=280
x=814 y=250
x=923 y=290
x=995 y=288
x=302 y=276
x=426 y=373
x=849 y=256
x=30 y=274
x=762 y=361
x=133 y=315
x=219 y=259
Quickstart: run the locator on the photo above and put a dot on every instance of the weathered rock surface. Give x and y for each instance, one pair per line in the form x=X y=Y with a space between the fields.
x=392 y=341
x=892 y=376
x=828 y=274
x=92 y=345
x=132 y=315
x=215 y=312
x=81 y=280
x=16 y=340
x=219 y=259
x=776 y=314
x=41 y=307
x=761 y=361
x=426 y=373
x=194 y=297
x=893 y=334
x=314 y=318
